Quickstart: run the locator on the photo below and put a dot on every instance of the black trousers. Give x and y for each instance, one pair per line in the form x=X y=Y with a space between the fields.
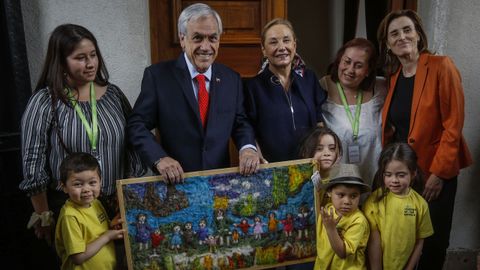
x=441 y=212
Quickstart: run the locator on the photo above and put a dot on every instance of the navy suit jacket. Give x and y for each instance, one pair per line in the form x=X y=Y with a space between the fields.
x=167 y=102
x=268 y=110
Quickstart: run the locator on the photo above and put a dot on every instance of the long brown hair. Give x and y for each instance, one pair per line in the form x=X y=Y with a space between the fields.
x=369 y=48
x=388 y=60
x=401 y=152
x=309 y=143
x=61 y=44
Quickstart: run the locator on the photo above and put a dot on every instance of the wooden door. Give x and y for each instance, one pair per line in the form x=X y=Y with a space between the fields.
x=242 y=25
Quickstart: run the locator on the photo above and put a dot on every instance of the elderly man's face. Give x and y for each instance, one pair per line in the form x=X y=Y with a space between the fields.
x=201 y=42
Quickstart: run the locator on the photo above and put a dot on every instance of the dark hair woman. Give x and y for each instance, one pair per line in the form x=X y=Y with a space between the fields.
x=425 y=108
x=354 y=104
x=73 y=109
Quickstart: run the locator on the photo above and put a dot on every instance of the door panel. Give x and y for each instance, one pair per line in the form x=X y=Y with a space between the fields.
x=242 y=25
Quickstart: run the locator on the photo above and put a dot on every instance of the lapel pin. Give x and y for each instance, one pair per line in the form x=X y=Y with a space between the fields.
x=217 y=80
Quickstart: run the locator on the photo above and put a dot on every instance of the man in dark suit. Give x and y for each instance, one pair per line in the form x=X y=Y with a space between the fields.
x=195 y=116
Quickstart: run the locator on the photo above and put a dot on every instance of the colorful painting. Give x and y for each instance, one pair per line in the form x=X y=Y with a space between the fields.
x=220 y=219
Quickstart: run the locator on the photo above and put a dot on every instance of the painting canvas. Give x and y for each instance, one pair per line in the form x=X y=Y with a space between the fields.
x=220 y=219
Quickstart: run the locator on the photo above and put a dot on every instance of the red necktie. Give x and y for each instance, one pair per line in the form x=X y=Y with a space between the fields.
x=202 y=98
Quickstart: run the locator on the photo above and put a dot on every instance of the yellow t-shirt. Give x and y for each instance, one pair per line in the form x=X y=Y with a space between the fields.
x=354 y=231
x=76 y=227
x=400 y=220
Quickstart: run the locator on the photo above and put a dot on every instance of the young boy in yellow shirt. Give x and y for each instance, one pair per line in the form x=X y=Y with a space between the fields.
x=342 y=229
x=83 y=238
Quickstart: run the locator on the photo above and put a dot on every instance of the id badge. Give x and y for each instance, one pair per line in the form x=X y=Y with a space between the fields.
x=353 y=153
x=97 y=157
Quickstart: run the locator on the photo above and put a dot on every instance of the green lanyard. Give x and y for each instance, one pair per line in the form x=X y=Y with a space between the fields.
x=354 y=122
x=92 y=131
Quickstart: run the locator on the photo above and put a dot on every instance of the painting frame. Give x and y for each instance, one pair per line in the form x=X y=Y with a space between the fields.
x=296 y=169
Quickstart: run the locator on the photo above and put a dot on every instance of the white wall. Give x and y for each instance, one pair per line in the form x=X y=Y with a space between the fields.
x=121 y=28
x=453 y=28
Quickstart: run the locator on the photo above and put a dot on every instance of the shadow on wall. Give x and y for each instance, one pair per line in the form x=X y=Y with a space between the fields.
x=36 y=42
x=311 y=22
x=462 y=259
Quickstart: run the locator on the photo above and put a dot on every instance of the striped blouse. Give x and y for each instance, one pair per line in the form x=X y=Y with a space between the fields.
x=42 y=150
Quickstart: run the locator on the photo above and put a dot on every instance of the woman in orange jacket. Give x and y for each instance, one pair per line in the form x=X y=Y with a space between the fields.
x=425 y=108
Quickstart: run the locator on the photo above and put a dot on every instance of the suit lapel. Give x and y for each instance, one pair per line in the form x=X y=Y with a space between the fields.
x=183 y=78
x=418 y=88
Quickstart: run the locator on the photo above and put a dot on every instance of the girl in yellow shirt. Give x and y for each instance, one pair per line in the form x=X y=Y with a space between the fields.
x=399 y=217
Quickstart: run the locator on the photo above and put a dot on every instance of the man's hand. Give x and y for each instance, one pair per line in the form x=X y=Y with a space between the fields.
x=249 y=161
x=433 y=187
x=170 y=169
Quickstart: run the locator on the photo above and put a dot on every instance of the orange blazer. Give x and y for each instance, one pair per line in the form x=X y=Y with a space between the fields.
x=436 y=118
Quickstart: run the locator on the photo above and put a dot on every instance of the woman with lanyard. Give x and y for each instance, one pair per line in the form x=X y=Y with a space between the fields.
x=355 y=100
x=74 y=109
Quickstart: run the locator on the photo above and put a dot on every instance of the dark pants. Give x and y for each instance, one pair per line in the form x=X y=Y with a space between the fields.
x=441 y=212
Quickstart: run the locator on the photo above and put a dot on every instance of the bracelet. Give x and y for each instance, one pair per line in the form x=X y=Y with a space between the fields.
x=45 y=217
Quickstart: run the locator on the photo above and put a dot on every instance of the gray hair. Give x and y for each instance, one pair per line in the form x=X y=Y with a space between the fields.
x=193 y=13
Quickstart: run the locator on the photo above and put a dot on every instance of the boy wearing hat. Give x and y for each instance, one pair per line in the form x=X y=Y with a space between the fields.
x=342 y=229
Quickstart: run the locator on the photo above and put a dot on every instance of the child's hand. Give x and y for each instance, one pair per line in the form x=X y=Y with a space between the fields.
x=116 y=223
x=328 y=218
x=114 y=234
x=318 y=182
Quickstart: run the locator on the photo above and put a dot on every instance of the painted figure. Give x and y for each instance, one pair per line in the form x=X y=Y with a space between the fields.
x=235 y=236
x=258 y=228
x=157 y=238
x=176 y=240
x=272 y=224
x=222 y=224
x=288 y=225
x=143 y=231
x=202 y=231
x=244 y=226
x=211 y=241
x=188 y=234
x=302 y=222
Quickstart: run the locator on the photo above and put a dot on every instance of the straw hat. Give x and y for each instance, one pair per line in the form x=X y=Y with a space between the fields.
x=347 y=174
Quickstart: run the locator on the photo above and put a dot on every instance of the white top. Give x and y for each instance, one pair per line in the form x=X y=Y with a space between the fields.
x=369 y=134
